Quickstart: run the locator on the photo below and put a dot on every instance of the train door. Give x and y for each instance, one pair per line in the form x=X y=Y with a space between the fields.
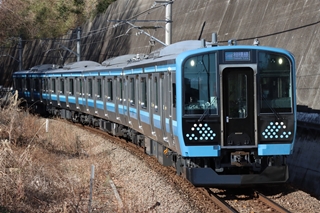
x=105 y=96
x=238 y=92
x=126 y=101
x=89 y=94
x=32 y=89
x=156 y=106
x=80 y=93
x=165 y=111
x=45 y=90
x=98 y=96
x=119 y=99
x=71 y=93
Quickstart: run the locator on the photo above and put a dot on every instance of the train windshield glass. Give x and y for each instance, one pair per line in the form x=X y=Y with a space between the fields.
x=275 y=83
x=200 y=84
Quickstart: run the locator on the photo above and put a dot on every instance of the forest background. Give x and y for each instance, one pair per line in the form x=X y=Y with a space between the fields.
x=31 y=19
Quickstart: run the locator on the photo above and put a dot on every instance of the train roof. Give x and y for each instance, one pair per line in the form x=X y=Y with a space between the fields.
x=44 y=67
x=39 y=68
x=81 y=65
x=166 y=53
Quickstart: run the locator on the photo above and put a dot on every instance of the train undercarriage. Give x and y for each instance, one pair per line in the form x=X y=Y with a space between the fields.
x=231 y=168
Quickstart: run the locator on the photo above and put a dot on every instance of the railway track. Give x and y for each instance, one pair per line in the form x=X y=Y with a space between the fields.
x=209 y=200
x=246 y=200
x=268 y=202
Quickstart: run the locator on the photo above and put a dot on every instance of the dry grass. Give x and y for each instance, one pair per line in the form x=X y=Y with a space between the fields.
x=49 y=171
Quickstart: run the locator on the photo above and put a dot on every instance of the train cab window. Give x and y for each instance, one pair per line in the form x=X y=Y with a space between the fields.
x=132 y=91
x=110 y=90
x=144 y=91
x=200 y=84
x=275 y=90
x=71 y=87
x=89 y=87
x=99 y=89
x=61 y=86
x=53 y=85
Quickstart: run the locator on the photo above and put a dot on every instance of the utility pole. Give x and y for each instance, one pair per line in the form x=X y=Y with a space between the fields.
x=20 y=53
x=78 y=43
x=169 y=22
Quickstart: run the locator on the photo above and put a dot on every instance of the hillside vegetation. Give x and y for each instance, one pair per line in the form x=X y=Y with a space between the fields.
x=45 y=19
x=49 y=171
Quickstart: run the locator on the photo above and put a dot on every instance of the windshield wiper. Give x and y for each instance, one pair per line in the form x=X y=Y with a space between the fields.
x=271 y=108
x=205 y=113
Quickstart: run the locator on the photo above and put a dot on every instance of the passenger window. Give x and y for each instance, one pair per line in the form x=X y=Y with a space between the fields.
x=144 y=100
x=36 y=85
x=121 y=90
x=89 y=87
x=132 y=92
x=61 y=86
x=110 y=90
x=156 y=95
x=53 y=85
x=99 y=89
x=28 y=84
x=71 y=88
x=174 y=95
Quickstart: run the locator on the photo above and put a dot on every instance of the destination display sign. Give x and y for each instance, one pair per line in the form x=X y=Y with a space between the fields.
x=237 y=56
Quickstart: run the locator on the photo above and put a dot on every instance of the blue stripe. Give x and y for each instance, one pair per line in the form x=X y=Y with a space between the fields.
x=111 y=107
x=167 y=125
x=62 y=98
x=91 y=74
x=167 y=67
x=72 y=99
x=53 y=75
x=90 y=102
x=54 y=97
x=200 y=151
x=156 y=121
x=27 y=94
x=81 y=100
x=175 y=127
x=149 y=69
x=120 y=109
x=45 y=96
x=275 y=149
x=133 y=112
x=113 y=72
x=144 y=117
x=36 y=95
x=99 y=104
x=72 y=74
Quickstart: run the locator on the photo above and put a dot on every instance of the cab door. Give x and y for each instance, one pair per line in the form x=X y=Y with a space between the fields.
x=238 y=111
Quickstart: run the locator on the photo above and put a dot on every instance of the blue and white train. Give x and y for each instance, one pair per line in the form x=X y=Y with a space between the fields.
x=220 y=115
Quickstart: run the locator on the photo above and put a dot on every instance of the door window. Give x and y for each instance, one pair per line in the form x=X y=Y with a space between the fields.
x=237 y=95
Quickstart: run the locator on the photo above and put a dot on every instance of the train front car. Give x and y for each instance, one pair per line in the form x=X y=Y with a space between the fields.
x=237 y=108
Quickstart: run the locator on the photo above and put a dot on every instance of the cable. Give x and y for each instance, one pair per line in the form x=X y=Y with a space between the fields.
x=276 y=33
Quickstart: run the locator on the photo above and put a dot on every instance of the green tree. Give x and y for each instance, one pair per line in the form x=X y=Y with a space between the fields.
x=44 y=19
